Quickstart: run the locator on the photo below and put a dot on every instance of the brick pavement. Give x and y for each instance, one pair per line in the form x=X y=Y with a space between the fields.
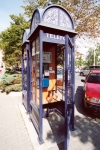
x=13 y=132
x=89 y=139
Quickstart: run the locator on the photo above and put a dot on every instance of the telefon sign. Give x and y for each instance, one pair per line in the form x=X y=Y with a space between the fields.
x=54 y=36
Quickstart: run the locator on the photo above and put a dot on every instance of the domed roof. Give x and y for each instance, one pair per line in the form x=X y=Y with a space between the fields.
x=53 y=15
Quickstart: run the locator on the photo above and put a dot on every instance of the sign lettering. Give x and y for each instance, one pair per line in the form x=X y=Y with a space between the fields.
x=53 y=36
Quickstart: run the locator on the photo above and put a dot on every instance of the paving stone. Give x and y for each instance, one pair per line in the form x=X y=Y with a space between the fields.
x=14 y=133
x=12 y=127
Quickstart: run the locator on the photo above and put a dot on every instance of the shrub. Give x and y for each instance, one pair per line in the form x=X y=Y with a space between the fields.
x=11 y=83
x=18 y=80
x=11 y=71
x=14 y=87
x=2 y=86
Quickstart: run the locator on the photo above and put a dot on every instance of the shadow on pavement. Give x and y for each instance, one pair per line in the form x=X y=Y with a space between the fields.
x=89 y=138
x=58 y=129
x=90 y=132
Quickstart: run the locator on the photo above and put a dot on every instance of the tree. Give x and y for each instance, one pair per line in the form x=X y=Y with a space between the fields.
x=85 y=13
x=90 y=56
x=11 y=40
x=79 y=62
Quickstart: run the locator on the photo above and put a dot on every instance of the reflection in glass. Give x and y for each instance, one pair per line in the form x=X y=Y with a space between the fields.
x=35 y=71
x=25 y=69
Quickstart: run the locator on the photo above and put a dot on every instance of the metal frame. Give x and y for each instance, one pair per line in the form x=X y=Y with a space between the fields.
x=65 y=108
x=26 y=95
x=69 y=108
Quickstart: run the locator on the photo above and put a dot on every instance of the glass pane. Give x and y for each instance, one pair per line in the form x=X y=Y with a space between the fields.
x=94 y=78
x=35 y=71
x=37 y=68
x=25 y=69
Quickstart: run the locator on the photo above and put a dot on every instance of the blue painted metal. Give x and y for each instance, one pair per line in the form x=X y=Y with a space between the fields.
x=73 y=82
x=66 y=93
x=69 y=84
x=22 y=76
x=41 y=70
x=45 y=82
x=25 y=84
x=30 y=79
x=48 y=32
x=28 y=82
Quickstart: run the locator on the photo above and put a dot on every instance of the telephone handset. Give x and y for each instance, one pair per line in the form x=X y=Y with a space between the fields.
x=45 y=69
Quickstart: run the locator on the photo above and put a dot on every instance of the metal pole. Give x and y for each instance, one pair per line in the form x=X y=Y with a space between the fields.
x=73 y=83
x=66 y=91
x=30 y=65
x=40 y=86
x=28 y=77
x=22 y=74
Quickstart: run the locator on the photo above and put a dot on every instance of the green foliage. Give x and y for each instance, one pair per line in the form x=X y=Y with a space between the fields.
x=14 y=87
x=18 y=80
x=11 y=83
x=84 y=13
x=10 y=71
x=90 y=56
x=79 y=62
x=11 y=40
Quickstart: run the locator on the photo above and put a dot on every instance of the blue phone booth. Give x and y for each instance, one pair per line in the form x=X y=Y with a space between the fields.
x=51 y=43
x=25 y=70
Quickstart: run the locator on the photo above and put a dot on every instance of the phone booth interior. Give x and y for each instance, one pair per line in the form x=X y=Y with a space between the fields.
x=25 y=70
x=52 y=45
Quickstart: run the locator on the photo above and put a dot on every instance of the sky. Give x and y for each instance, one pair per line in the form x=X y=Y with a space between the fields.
x=8 y=7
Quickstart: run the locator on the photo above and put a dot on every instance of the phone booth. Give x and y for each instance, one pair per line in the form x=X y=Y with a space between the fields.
x=52 y=45
x=25 y=70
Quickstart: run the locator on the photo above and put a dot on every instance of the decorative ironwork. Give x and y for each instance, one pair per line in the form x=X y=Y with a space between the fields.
x=57 y=17
x=65 y=20
x=51 y=16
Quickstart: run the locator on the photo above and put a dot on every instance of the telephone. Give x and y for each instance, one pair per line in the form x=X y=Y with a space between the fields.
x=45 y=70
x=45 y=80
x=45 y=76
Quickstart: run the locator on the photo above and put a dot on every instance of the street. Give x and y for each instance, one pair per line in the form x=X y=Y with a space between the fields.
x=88 y=139
x=78 y=97
x=88 y=123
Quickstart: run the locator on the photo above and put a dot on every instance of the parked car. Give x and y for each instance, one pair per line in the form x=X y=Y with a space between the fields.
x=91 y=92
x=85 y=70
x=94 y=67
x=77 y=70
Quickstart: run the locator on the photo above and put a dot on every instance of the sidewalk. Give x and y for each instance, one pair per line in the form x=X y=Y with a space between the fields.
x=13 y=132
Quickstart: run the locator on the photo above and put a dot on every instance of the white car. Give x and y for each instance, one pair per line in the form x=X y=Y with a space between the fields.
x=77 y=70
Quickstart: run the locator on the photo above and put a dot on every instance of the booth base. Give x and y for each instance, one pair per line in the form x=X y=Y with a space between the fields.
x=53 y=131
